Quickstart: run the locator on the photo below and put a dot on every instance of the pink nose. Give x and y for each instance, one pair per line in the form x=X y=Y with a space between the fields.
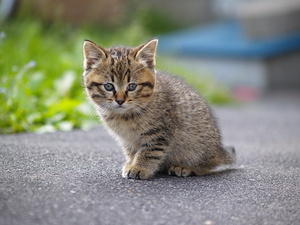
x=120 y=101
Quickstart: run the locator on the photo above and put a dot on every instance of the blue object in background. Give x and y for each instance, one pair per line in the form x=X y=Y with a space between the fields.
x=225 y=39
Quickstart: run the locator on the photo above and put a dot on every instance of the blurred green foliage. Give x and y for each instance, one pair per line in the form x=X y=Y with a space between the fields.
x=41 y=66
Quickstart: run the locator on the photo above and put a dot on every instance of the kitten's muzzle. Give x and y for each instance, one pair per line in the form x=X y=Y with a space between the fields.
x=120 y=101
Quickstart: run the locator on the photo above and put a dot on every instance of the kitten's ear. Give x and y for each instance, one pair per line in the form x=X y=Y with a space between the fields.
x=146 y=53
x=92 y=54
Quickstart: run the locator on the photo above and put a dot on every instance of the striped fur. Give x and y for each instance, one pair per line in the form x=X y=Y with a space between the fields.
x=160 y=121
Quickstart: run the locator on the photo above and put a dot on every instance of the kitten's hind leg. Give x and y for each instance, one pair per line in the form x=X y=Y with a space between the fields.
x=180 y=171
x=183 y=171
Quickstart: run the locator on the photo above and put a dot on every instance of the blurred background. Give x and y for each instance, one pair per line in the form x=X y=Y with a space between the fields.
x=230 y=50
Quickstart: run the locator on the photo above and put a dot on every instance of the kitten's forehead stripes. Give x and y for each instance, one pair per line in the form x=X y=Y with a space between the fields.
x=128 y=72
x=112 y=78
x=112 y=74
x=119 y=64
x=115 y=54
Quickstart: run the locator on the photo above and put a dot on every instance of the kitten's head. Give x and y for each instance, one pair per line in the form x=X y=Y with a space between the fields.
x=119 y=78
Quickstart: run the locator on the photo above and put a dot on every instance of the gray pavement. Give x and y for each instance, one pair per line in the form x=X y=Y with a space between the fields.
x=75 y=177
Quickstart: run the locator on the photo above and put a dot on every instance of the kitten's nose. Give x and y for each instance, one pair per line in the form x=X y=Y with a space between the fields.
x=120 y=101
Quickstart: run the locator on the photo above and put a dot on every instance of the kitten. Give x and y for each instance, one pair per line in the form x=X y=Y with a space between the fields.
x=161 y=122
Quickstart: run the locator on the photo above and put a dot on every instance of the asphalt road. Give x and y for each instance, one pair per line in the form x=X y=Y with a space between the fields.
x=75 y=177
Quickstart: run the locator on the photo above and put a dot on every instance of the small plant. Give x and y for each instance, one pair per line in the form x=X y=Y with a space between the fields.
x=40 y=79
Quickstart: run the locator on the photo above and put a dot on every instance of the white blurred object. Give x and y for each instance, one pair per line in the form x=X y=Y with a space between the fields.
x=261 y=18
x=267 y=19
x=228 y=8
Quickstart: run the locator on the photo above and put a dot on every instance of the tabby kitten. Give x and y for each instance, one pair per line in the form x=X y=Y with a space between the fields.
x=161 y=122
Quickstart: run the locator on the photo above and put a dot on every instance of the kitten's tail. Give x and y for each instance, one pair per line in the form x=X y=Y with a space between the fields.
x=229 y=156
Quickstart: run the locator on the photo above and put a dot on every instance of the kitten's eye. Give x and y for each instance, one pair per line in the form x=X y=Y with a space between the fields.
x=131 y=87
x=109 y=87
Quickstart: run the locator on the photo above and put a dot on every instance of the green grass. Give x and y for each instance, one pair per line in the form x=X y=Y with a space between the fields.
x=40 y=74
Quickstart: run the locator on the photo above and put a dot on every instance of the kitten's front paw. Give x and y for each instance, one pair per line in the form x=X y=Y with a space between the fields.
x=136 y=172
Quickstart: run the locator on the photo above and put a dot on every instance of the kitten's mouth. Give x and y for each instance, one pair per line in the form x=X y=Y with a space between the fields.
x=119 y=108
